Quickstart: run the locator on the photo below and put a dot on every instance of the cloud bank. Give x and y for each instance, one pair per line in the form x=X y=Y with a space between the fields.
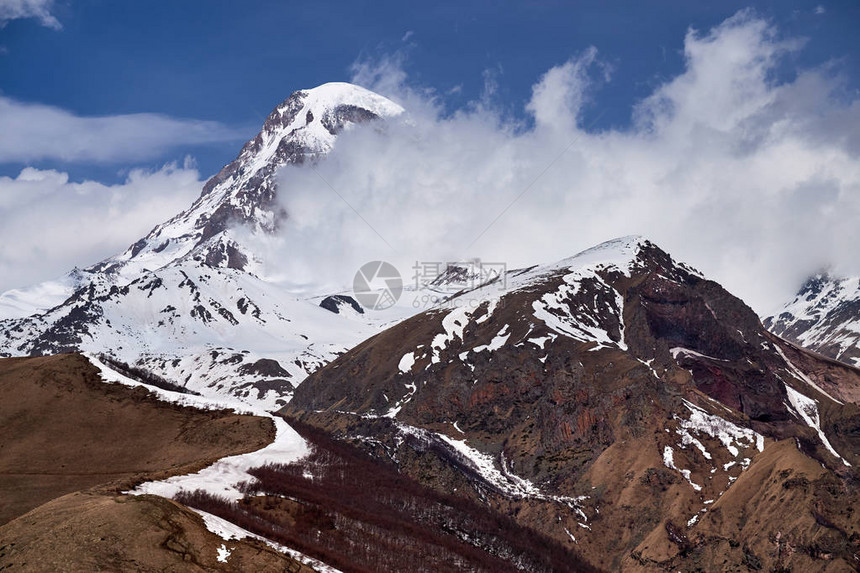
x=39 y=9
x=50 y=224
x=35 y=132
x=753 y=180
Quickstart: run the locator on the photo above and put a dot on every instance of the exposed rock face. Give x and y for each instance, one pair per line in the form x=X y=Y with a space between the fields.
x=338 y=302
x=824 y=317
x=619 y=399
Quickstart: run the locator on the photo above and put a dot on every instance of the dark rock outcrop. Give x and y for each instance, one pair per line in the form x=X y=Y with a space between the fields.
x=335 y=302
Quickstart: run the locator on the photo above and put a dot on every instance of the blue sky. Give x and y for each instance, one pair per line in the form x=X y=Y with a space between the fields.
x=232 y=62
x=728 y=132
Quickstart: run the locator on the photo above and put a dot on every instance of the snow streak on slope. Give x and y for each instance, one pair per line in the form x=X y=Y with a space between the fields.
x=807 y=409
x=796 y=372
x=221 y=477
x=669 y=462
x=228 y=531
x=484 y=465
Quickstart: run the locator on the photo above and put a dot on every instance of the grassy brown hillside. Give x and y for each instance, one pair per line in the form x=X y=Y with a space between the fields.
x=88 y=531
x=65 y=430
x=71 y=442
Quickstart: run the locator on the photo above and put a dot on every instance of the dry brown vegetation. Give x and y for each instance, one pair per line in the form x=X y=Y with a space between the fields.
x=65 y=430
x=86 y=531
x=361 y=515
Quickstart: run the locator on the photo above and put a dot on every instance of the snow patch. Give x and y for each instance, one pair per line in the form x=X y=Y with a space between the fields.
x=679 y=351
x=807 y=409
x=800 y=375
x=412 y=387
x=454 y=323
x=224 y=553
x=407 y=362
x=541 y=341
x=692 y=521
x=669 y=462
x=730 y=435
x=498 y=341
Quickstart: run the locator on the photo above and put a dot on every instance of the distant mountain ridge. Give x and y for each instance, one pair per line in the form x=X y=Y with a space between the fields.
x=824 y=317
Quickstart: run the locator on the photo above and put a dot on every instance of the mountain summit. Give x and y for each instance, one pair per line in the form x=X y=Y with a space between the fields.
x=184 y=302
x=302 y=128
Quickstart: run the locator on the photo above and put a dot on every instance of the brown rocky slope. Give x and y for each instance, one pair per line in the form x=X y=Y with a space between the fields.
x=622 y=404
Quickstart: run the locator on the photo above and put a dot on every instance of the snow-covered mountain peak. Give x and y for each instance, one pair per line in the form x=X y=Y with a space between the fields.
x=620 y=251
x=622 y=255
x=187 y=301
x=302 y=128
x=243 y=195
x=307 y=124
x=331 y=95
x=824 y=316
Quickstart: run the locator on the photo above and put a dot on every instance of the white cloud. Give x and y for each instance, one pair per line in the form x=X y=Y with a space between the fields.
x=50 y=224
x=39 y=9
x=32 y=132
x=754 y=181
x=559 y=96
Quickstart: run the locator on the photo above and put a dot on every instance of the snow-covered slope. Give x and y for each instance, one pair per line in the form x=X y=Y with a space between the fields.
x=824 y=317
x=185 y=301
x=25 y=301
x=212 y=330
